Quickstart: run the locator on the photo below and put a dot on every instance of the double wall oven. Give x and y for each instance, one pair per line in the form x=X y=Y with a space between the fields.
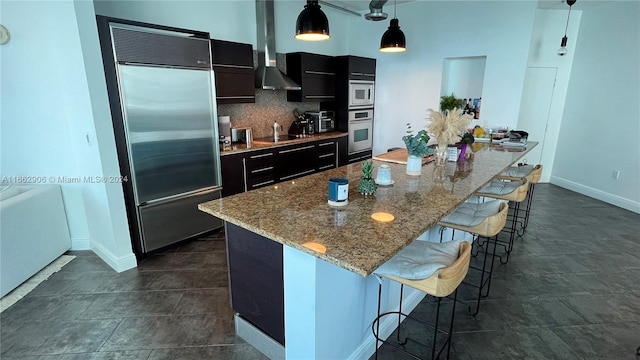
x=360 y=126
x=360 y=130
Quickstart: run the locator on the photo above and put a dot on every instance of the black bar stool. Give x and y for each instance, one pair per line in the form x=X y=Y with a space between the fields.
x=406 y=268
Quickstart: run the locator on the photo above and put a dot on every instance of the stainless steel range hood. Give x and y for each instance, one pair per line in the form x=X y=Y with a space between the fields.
x=267 y=74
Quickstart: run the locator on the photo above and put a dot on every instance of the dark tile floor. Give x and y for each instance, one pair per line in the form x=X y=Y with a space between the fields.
x=571 y=290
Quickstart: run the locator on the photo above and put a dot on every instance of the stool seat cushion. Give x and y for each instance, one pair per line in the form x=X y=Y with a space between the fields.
x=518 y=171
x=472 y=214
x=421 y=259
x=498 y=187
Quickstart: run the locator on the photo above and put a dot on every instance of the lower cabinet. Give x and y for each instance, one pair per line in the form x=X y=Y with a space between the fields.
x=247 y=171
x=295 y=161
x=254 y=169
x=255 y=280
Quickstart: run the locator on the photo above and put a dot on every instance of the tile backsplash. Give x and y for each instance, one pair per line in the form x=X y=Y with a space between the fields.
x=270 y=106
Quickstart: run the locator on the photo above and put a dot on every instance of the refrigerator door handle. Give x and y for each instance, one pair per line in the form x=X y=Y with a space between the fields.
x=193 y=193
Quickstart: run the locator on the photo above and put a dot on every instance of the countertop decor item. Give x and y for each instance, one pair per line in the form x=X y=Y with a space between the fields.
x=416 y=148
x=366 y=185
x=447 y=127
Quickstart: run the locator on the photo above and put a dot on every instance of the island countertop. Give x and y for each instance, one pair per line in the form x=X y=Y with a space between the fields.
x=296 y=213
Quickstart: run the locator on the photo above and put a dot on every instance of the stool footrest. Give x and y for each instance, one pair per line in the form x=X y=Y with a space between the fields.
x=397 y=344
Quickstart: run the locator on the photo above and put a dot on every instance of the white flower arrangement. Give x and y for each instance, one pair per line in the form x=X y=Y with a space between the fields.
x=449 y=126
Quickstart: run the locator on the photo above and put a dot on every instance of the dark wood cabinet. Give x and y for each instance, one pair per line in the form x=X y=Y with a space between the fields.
x=233 y=67
x=256 y=280
x=247 y=171
x=314 y=73
x=260 y=169
x=351 y=67
x=327 y=155
x=295 y=161
x=254 y=169
x=359 y=156
x=343 y=150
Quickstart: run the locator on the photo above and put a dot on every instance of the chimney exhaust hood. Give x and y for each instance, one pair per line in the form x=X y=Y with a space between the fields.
x=268 y=76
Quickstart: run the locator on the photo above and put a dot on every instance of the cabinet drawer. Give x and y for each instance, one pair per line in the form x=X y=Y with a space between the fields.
x=296 y=161
x=327 y=155
x=260 y=160
x=260 y=168
x=260 y=182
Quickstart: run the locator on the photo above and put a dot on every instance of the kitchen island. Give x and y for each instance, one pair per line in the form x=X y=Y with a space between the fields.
x=300 y=269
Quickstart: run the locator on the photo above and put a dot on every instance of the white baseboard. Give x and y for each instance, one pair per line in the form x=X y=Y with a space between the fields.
x=259 y=340
x=597 y=194
x=118 y=264
x=387 y=325
x=80 y=244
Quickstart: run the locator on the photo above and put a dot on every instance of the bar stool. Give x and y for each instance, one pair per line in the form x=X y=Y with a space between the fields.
x=437 y=269
x=532 y=174
x=480 y=219
x=515 y=191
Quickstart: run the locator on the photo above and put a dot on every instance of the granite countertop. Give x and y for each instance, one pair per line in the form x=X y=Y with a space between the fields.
x=296 y=213
x=257 y=145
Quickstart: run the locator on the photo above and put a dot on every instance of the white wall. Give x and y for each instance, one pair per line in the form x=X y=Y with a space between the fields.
x=47 y=123
x=407 y=84
x=231 y=20
x=463 y=77
x=601 y=119
x=548 y=28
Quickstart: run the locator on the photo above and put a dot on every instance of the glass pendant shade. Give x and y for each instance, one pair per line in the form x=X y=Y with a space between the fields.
x=562 y=51
x=312 y=23
x=563 y=47
x=393 y=39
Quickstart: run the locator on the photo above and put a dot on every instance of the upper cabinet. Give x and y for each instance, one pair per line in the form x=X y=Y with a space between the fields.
x=314 y=73
x=233 y=66
x=356 y=67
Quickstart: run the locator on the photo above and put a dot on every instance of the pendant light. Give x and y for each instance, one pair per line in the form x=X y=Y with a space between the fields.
x=393 y=39
x=312 y=23
x=563 y=44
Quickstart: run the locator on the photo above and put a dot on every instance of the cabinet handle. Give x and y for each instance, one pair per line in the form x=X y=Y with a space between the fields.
x=325 y=144
x=319 y=72
x=357 y=73
x=262 y=183
x=261 y=155
x=326 y=155
x=359 y=158
x=233 y=66
x=319 y=96
x=326 y=167
x=296 y=149
x=298 y=174
x=244 y=173
x=261 y=170
x=337 y=152
x=371 y=75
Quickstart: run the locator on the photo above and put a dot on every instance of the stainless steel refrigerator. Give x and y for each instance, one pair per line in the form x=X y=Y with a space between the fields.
x=162 y=96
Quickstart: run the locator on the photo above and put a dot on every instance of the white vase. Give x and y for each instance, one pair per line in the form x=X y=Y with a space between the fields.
x=414 y=165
